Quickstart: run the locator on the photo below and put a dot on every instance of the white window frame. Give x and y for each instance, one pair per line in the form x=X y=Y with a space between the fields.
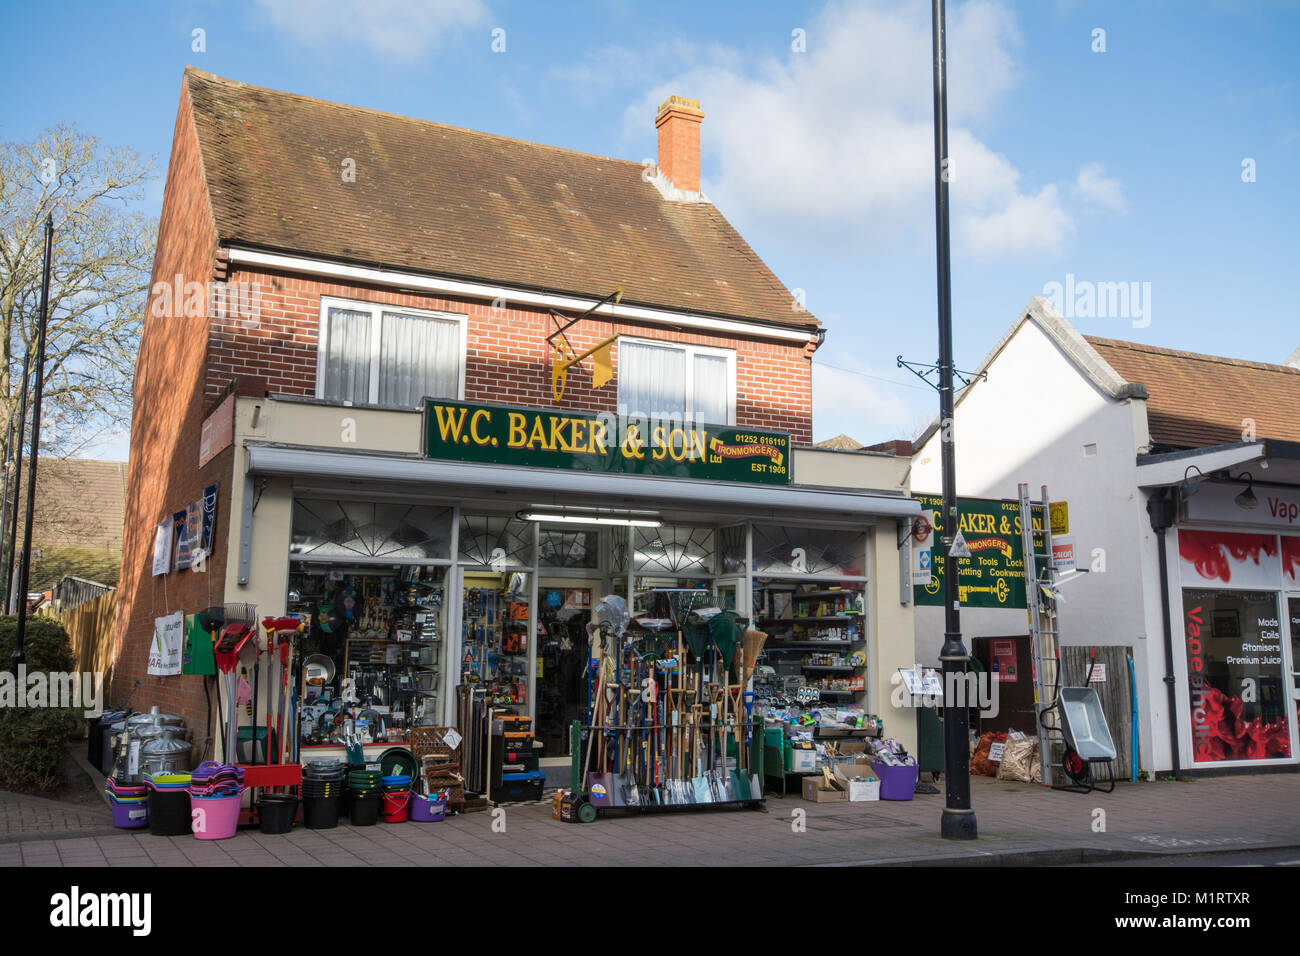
x=691 y=351
x=376 y=310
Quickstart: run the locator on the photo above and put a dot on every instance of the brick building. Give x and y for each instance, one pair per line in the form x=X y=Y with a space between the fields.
x=347 y=358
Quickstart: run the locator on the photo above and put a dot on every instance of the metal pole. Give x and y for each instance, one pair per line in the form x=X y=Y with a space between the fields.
x=958 y=821
x=18 y=488
x=24 y=575
x=4 y=500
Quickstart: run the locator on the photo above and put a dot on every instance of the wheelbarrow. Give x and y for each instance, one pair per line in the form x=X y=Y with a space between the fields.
x=1087 y=740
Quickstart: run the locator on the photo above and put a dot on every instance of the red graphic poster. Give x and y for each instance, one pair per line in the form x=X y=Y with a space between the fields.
x=1225 y=557
x=1238 y=688
x=1291 y=560
x=1004 y=657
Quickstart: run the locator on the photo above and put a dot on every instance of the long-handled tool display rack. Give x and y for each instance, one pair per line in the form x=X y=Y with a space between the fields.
x=670 y=707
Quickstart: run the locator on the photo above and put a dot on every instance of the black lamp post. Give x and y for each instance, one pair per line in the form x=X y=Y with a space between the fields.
x=958 y=822
x=25 y=569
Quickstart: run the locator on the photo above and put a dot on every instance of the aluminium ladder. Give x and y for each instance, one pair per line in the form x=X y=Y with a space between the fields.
x=1040 y=600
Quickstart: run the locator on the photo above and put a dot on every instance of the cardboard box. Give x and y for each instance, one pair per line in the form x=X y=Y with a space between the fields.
x=853 y=746
x=859 y=791
x=814 y=789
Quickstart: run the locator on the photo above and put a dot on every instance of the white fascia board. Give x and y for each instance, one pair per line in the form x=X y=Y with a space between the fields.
x=476 y=290
x=1170 y=470
x=726 y=497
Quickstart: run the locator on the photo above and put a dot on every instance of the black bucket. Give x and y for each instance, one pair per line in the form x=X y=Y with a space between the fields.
x=275 y=812
x=365 y=810
x=320 y=813
x=169 y=812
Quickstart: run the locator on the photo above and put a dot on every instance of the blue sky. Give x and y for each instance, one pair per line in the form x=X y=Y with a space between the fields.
x=1122 y=165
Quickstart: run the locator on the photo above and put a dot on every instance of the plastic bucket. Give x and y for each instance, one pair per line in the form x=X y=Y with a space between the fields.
x=397 y=806
x=215 y=818
x=427 y=809
x=896 y=783
x=365 y=810
x=320 y=813
x=169 y=812
x=275 y=812
x=131 y=816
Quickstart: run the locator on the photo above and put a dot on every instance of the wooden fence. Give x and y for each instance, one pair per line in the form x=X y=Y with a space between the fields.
x=91 y=628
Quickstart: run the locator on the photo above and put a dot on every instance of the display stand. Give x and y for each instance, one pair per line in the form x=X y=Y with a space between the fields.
x=669 y=731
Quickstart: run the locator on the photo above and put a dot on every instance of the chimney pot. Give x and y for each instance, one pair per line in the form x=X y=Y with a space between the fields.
x=678 y=121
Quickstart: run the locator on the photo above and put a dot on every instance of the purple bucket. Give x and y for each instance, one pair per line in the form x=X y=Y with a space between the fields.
x=130 y=816
x=427 y=809
x=896 y=783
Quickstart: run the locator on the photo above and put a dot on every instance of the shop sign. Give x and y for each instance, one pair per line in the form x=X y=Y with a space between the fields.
x=994 y=574
x=1005 y=659
x=581 y=441
x=1063 y=554
x=162 y=548
x=1276 y=506
x=1060 y=517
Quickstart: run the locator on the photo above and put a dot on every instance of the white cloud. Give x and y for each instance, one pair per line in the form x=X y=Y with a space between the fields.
x=1094 y=187
x=841 y=137
x=402 y=29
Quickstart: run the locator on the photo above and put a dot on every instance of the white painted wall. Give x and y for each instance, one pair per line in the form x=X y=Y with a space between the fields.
x=1030 y=421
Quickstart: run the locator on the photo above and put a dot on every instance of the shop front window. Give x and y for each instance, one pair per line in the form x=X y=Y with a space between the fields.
x=330 y=529
x=497 y=541
x=732 y=549
x=565 y=548
x=673 y=549
x=779 y=549
x=1239 y=692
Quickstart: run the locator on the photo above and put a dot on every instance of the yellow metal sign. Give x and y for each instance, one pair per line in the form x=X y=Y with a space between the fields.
x=1060 y=517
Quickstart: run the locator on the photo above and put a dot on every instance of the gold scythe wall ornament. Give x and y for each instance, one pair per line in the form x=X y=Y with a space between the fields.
x=563 y=357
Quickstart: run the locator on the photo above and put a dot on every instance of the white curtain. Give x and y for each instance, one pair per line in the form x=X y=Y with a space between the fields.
x=347 y=356
x=651 y=380
x=711 y=389
x=418 y=357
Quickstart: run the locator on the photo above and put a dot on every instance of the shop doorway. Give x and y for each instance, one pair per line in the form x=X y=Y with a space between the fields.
x=496 y=634
x=564 y=607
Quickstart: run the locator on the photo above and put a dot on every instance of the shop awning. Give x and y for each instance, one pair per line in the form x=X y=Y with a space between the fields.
x=1280 y=462
x=730 y=498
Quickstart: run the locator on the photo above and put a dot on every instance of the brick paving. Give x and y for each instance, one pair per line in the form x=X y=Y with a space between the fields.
x=1238 y=812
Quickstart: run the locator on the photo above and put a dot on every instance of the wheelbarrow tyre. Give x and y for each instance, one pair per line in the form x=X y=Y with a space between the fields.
x=586 y=813
x=1076 y=768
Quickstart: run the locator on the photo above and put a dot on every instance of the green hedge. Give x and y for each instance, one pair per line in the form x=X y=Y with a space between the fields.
x=34 y=740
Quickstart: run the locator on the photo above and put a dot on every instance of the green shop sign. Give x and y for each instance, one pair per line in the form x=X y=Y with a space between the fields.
x=994 y=574
x=625 y=445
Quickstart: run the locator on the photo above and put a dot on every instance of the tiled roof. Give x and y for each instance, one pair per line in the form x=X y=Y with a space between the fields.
x=80 y=503
x=839 y=443
x=1197 y=400
x=454 y=202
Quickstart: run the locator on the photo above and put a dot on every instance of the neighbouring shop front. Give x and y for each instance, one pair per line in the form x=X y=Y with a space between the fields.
x=478 y=562
x=1238 y=579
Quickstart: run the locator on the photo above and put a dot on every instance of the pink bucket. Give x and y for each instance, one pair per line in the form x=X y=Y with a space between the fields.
x=397 y=806
x=427 y=809
x=215 y=818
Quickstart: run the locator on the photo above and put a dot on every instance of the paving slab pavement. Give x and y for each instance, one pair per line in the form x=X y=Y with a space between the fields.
x=1018 y=823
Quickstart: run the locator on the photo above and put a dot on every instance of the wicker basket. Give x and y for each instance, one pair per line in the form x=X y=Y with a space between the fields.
x=427 y=741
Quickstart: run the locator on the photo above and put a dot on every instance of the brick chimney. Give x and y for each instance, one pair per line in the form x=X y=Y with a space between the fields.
x=678 y=122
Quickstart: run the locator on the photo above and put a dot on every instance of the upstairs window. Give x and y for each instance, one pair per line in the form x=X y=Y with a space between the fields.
x=663 y=378
x=380 y=355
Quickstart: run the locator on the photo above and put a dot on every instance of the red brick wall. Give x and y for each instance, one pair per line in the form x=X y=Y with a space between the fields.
x=163 y=473
x=508 y=362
